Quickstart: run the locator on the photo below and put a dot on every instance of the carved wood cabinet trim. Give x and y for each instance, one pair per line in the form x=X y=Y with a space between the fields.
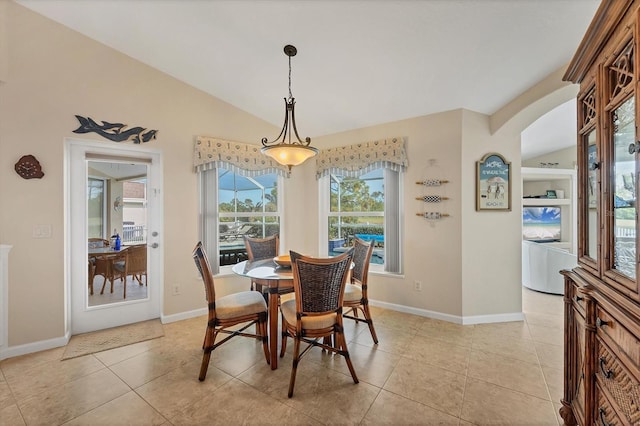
x=602 y=294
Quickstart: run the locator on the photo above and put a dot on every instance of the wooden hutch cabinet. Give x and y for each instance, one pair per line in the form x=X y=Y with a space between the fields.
x=602 y=300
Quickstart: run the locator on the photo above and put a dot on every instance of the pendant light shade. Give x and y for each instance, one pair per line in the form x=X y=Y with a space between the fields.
x=284 y=149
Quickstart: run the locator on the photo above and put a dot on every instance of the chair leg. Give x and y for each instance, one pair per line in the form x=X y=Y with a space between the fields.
x=285 y=334
x=104 y=283
x=294 y=368
x=265 y=339
x=205 y=364
x=209 y=339
x=367 y=315
x=342 y=344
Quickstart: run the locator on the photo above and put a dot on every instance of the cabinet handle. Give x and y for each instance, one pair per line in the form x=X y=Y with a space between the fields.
x=596 y=165
x=633 y=148
x=602 y=419
x=601 y=323
x=577 y=298
x=608 y=374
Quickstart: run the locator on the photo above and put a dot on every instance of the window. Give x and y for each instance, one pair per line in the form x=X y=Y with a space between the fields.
x=235 y=205
x=367 y=207
x=96 y=208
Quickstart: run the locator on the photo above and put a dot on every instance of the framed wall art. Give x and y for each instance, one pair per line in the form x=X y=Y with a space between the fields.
x=493 y=183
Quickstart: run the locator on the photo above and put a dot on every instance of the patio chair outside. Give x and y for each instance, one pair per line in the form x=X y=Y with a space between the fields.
x=234 y=234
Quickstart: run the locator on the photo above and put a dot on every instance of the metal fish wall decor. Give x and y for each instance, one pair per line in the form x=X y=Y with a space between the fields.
x=115 y=132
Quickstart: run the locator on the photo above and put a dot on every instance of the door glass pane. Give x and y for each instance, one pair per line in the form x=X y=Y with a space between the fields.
x=624 y=189
x=591 y=218
x=122 y=210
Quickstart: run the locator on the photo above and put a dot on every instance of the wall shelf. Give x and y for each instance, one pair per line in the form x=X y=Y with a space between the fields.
x=537 y=181
x=546 y=202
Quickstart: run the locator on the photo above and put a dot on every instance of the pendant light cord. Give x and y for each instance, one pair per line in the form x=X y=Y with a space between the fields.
x=290 y=95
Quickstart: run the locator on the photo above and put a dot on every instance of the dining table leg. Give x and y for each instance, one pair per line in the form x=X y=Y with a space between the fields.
x=273 y=324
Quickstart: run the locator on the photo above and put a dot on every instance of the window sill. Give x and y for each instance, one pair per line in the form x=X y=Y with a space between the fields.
x=378 y=271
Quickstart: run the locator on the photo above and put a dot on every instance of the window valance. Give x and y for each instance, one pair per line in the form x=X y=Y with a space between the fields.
x=246 y=159
x=358 y=159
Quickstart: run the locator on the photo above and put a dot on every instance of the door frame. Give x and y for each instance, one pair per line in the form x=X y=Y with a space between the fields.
x=75 y=237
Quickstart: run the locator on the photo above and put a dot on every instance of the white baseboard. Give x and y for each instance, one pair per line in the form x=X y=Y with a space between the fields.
x=28 y=348
x=487 y=319
x=456 y=319
x=165 y=319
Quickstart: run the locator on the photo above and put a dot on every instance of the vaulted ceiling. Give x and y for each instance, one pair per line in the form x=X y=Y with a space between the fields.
x=359 y=62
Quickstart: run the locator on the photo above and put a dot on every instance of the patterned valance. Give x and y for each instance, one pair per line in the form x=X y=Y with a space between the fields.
x=245 y=159
x=356 y=160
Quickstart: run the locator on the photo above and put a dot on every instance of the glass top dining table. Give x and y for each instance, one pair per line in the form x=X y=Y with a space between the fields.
x=267 y=273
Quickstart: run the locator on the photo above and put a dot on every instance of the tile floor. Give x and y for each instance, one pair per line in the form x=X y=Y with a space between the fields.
x=134 y=291
x=423 y=372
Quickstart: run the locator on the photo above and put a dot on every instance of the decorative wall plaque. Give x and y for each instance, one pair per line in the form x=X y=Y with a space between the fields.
x=493 y=183
x=116 y=132
x=29 y=168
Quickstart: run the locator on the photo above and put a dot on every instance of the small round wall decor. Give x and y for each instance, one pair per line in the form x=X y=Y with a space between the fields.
x=29 y=168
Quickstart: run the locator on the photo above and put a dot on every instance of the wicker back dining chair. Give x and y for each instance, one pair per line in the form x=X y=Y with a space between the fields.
x=94 y=243
x=355 y=294
x=316 y=311
x=246 y=307
x=261 y=248
x=105 y=265
x=134 y=265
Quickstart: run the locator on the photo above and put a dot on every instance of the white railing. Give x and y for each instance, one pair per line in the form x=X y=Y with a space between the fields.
x=133 y=234
x=624 y=232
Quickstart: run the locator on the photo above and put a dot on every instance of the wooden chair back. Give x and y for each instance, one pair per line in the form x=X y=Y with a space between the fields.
x=204 y=267
x=319 y=282
x=98 y=242
x=262 y=248
x=362 y=252
x=136 y=262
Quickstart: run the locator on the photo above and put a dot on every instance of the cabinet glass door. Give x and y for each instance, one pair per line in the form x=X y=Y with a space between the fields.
x=590 y=227
x=623 y=187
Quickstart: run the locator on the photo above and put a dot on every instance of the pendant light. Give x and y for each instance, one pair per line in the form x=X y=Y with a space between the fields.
x=284 y=149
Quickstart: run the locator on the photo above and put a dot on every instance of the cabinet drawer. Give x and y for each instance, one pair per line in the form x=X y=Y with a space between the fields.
x=605 y=415
x=578 y=299
x=617 y=336
x=620 y=386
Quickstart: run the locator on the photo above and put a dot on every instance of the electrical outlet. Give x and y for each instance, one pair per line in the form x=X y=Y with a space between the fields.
x=41 y=231
x=417 y=285
x=176 y=289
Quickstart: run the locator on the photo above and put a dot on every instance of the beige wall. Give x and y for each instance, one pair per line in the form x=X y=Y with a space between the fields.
x=428 y=245
x=491 y=246
x=566 y=159
x=469 y=263
x=53 y=74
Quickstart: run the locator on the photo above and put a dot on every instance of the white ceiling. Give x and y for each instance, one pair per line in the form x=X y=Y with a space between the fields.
x=553 y=131
x=359 y=62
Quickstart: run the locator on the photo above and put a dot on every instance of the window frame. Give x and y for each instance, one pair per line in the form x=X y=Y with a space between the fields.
x=105 y=193
x=392 y=199
x=210 y=215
